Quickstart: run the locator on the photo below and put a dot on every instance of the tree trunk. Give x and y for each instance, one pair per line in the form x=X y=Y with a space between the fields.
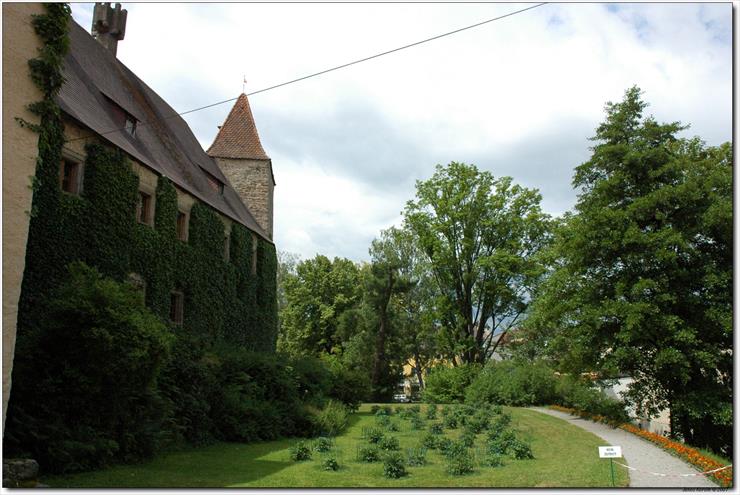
x=379 y=361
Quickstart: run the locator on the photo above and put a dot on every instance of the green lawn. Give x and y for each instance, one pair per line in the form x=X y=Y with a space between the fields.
x=565 y=456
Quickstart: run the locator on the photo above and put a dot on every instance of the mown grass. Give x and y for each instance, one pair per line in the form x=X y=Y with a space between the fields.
x=565 y=456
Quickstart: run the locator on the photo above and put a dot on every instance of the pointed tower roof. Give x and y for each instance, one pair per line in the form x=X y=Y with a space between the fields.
x=237 y=137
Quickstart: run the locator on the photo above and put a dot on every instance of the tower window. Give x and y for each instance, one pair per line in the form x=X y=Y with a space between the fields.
x=177 y=299
x=70 y=176
x=182 y=226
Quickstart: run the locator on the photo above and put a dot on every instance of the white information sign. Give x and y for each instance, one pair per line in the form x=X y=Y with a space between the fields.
x=610 y=451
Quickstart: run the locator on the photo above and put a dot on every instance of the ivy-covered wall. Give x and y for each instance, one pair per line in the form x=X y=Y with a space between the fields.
x=223 y=300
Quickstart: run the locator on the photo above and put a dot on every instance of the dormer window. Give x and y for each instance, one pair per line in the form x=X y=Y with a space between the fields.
x=130 y=125
x=215 y=184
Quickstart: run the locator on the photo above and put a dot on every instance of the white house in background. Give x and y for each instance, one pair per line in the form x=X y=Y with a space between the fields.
x=660 y=425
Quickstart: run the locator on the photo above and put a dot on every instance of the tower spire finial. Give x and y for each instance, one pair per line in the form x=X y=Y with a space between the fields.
x=244 y=84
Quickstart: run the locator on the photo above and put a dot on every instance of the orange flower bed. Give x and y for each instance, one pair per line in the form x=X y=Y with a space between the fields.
x=689 y=454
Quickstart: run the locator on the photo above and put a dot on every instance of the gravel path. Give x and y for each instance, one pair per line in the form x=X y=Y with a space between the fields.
x=640 y=454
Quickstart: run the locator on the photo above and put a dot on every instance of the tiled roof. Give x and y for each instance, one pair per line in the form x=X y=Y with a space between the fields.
x=97 y=86
x=238 y=137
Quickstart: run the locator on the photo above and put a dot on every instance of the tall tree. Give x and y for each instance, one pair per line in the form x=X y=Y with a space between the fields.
x=480 y=236
x=643 y=272
x=315 y=299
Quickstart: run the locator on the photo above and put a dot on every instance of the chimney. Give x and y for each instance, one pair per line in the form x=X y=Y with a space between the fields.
x=109 y=25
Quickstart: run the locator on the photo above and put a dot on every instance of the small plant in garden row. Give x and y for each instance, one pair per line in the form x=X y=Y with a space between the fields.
x=372 y=435
x=432 y=411
x=383 y=420
x=368 y=453
x=436 y=429
x=493 y=460
x=450 y=422
x=416 y=457
x=300 y=452
x=391 y=426
x=459 y=462
x=389 y=443
x=322 y=444
x=394 y=465
x=430 y=441
x=417 y=423
x=330 y=463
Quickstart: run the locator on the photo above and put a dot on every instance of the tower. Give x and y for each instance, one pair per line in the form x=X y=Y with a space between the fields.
x=238 y=152
x=109 y=25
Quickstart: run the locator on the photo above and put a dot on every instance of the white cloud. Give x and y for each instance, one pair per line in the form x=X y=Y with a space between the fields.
x=518 y=96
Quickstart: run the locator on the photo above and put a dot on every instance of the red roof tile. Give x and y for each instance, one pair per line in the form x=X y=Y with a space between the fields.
x=237 y=137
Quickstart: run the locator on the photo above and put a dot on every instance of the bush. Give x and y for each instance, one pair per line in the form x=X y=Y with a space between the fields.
x=389 y=443
x=444 y=444
x=330 y=463
x=493 y=460
x=513 y=383
x=436 y=429
x=391 y=426
x=501 y=444
x=300 y=452
x=450 y=422
x=446 y=384
x=467 y=438
x=415 y=409
x=584 y=396
x=374 y=409
x=417 y=423
x=416 y=457
x=368 y=453
x=394 y=465
x=432 y=411
x=520 y=450
x=322 y=444
x=84 y=392
x=331 y=420
x=459 y=462
x=373 y=435
x=430 y=441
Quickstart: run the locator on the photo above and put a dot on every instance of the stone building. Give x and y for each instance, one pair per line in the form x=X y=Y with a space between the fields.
x=103 y=101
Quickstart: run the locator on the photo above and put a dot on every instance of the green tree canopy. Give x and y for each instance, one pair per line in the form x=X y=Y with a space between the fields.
x=480 y=236
x=642 y=272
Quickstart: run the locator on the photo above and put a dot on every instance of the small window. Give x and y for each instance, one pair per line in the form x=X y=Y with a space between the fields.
x=176 y=307
x=130 y=125
x=70 y=176
x=182 y=226
x=144 y=210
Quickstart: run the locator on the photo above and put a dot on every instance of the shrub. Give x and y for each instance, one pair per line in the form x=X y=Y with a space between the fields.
x=478 y=422
x=331 y=420
x=493 y=460
x=85 y=395
x=447 y=384
x=496 y=409
x=467 y=438
x=374 y=409
x=450 y=422
x=416 y=457
x=330 y=463
x=432 y=411
x=436 y=429
x=444 y=444
x=383 y=420
x=322 y=444
x=513 y=383
x=459 y=462
x=501 y=443
x=584 y=396
x=374 y=435
x=417 y=423
x=394 y=465
x=415 y=409
x=368 y=453
x=384 y=411
x=391 y=426
x=300 y=452
x=389 y=443
x=430 y=441
x=520 y=450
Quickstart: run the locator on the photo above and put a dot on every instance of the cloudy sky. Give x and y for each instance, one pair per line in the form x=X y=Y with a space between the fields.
x=518 y=97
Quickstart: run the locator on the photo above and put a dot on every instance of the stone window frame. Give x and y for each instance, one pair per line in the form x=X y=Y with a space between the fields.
x=78 y=160
x=151 y=193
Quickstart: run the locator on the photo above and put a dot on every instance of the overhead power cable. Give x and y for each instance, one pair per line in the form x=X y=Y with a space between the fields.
x=348 y=64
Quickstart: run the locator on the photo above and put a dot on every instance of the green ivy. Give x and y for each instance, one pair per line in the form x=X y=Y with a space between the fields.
x=225 y=303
